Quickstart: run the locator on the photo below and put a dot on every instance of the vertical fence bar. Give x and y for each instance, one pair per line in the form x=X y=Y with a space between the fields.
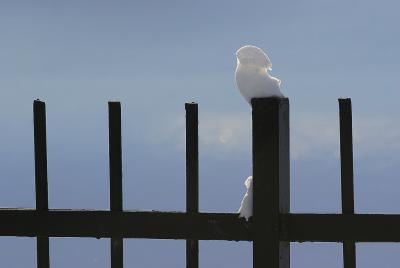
x=192 y=178
x=115 y=158
x=271 y=175
x=346 y=157
x=39 y=125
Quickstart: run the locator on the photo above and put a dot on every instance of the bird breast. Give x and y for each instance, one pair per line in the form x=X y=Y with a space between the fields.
x=255 y=81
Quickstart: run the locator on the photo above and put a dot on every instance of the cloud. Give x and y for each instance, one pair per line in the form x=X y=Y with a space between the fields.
x=225 y=132
x=376 y=136
x=312 y=135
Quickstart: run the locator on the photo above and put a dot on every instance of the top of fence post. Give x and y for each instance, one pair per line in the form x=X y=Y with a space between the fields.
x=271 y=180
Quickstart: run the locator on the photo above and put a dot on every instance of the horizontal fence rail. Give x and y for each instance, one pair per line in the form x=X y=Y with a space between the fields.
x=271 y=228
x=341 y=227
x=202 y=226
x=98 y=224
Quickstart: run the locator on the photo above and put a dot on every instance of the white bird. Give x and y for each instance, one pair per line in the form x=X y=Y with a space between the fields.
x=252 y=77
x=254 y=81
x=246 y=207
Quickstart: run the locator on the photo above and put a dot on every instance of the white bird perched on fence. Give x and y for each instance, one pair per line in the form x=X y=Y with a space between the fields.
x=252 y=77
x=246 y=207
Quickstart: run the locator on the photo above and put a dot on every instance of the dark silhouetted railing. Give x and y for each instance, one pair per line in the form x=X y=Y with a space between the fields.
x=271 y=228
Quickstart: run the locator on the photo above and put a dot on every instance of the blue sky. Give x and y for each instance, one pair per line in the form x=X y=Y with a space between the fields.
x=153 y=56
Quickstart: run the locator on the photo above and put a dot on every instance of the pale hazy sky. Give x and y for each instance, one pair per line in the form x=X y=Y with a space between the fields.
x=153 y=56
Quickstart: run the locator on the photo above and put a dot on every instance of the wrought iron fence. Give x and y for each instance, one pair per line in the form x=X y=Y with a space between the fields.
x=271 y=228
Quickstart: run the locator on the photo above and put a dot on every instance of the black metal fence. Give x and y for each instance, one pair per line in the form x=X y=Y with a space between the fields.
x=271 y=228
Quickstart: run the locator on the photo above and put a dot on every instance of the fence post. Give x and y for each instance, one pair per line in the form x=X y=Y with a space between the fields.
x=347 y=175
x=42 y=203
x=192 y=178
x=271 y=180
x=115 y=157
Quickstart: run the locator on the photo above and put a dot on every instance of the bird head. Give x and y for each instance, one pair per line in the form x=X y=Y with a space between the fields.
x=252 y=55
